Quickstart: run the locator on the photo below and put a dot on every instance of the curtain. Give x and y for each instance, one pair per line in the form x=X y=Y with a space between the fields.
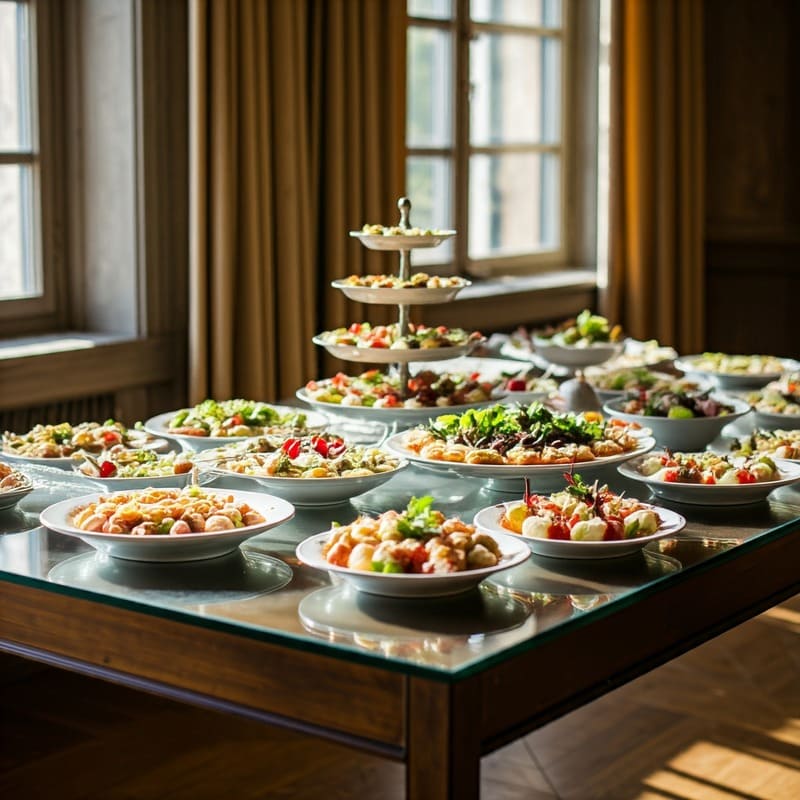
x=656 y=264
x=296 y=137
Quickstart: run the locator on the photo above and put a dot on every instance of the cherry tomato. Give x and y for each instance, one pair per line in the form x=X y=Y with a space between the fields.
x=558 y=530
x=320 y=445
x=336 y=447
x=112 y=437
x=107 y=469
x=292 y=447
x=671 y=476
x=743 y=476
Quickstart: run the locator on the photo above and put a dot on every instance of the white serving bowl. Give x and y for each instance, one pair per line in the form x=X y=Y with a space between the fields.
x=682 y=434
x=576 y=356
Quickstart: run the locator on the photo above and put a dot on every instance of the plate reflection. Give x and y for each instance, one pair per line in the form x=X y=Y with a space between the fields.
x=235 y=576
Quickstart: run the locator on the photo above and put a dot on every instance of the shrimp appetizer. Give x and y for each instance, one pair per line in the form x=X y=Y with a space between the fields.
x=419 y=540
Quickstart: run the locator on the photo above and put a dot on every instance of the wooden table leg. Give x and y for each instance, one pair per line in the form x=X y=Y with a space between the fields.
x=444 y=754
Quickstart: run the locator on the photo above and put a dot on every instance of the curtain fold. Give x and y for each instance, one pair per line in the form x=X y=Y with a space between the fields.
x=657 y=210
x=294 y=141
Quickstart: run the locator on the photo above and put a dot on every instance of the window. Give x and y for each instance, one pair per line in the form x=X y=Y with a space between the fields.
x=20 y=273
x=486 y=131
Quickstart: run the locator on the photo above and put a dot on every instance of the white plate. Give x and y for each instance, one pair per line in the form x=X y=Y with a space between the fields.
x=158 y=425
x=388 y=355
x=402 y=416
x=542 y=476
x=412 y=296
x=699 y=494
x=763 y=419
x=309 y=551
x=132 y=484
x=488 y=519
x=315 y=491
x=735 y=380
x=683 y=434
x=9 y=498
x=377 y=241
x=65 y=462
x=185 y=547
x=574 y=356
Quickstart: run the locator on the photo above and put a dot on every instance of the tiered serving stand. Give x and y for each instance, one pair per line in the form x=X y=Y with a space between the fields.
x=402 y=244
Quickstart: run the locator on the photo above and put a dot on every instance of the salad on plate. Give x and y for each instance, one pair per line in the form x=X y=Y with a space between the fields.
x=584 y=330
x=425 y=389
x=65 y=440
x=520 y=435
x=418 y=540
x=775 y=444
x=417 y=337
x=781 y=396
x=580 y=512
x=233 y=418
x=676 y=403
x=709 y=468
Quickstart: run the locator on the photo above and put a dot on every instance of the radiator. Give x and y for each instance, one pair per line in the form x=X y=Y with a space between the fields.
x=84 y=409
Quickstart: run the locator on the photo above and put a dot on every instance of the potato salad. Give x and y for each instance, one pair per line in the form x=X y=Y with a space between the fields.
x=418 y=540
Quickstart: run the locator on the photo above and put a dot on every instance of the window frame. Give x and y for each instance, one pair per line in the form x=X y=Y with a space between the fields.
x=45 y=158
x=578 y=187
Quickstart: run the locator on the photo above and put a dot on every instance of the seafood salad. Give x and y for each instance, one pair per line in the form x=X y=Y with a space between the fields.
x=418 y=540
x=64 y=440
x=583 y=331
x=12 y=479
x=709 y=468
x=165 y=512
x=419 y=280
x=777 y=444
x=363 y=334
x=677 y=404
x=580 y=512
x=778 y=397
x=234 y=418
x=376 y=389
x=120 y=462
x=519 y=435
x=321 y=456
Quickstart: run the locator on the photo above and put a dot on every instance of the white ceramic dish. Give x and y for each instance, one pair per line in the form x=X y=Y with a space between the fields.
x=65 y=462
x=683 y=434
x=488 y=519
x=735 y=380
x=542 y=476
x=132 y=484
x=403 y=417
x=315 y=491
x=412 y=296
x=388 y=355
x=514 y=552
x=763 y=419
x=376 y=241
x=185 y=547
x=9 y=498
x=159 y=426
x=576 y=357
x=715 y=494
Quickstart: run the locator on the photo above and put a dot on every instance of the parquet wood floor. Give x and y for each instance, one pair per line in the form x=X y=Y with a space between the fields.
x=720 y=723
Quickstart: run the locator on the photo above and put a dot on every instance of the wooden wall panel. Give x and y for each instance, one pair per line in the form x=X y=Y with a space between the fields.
x=752 y=175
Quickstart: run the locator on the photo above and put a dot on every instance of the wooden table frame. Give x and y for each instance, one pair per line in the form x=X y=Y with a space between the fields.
x=438 y=725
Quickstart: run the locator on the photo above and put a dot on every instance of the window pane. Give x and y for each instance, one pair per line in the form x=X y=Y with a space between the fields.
x=541 y=13
x=428 y=187
x=431 y=9
x=514 y=204
x=18 y=277
x=515 y=85
x=429 y=88
x=14 y=59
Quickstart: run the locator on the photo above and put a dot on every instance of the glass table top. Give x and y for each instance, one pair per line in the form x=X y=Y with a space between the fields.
x=263 y=591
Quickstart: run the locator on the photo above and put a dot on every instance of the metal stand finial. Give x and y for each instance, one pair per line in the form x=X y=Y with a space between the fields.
x=404 y=204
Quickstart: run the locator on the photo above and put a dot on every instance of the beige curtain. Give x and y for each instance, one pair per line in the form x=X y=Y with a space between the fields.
x=296 y=136
x=656 y=264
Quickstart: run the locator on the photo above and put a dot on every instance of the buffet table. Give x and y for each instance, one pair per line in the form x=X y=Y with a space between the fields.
x=434 y=683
